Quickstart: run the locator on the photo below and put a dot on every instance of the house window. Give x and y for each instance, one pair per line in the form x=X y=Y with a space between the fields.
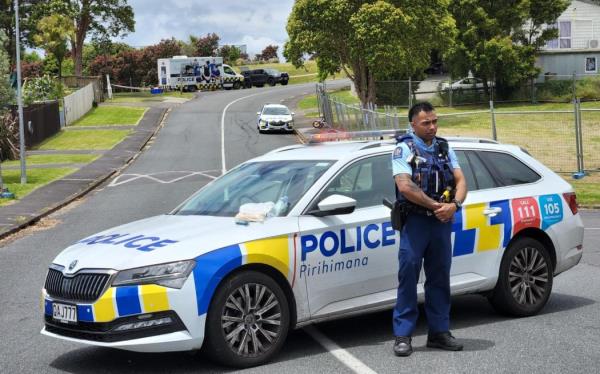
x=564 y=35
x=590 y=65
x=564 y=32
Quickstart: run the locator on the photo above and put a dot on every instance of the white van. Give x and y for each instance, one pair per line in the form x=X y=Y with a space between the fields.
x=197 y=73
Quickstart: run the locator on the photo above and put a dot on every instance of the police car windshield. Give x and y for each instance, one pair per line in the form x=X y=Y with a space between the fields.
x=276 y=111
x=281 y=182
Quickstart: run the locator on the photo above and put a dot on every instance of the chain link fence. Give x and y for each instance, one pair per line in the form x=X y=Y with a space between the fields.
x=565 y=140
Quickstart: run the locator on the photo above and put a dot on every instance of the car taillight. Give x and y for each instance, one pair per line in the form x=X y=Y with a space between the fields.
x=571 y=199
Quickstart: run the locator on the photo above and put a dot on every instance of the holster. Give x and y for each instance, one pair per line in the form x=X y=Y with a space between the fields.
x=398 y=215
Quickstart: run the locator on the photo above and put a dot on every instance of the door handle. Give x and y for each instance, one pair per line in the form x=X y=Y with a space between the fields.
x=492 y=212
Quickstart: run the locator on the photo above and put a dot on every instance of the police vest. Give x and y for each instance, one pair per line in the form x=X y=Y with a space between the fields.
x=432 y=172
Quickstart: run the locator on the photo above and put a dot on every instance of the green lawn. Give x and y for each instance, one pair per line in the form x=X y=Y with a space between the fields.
x=35 y=178
x=53 y=159
x=111 y=115
x=75 y=140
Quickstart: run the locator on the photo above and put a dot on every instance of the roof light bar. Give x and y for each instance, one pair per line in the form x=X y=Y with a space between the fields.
x=354 y=135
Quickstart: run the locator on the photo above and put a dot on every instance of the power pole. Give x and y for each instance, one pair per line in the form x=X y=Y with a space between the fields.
x=20 y=97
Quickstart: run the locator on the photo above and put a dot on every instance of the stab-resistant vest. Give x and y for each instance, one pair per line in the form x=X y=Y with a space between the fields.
x=431 y=172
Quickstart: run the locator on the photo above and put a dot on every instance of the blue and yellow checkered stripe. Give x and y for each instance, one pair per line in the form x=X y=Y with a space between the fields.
x=121 y=302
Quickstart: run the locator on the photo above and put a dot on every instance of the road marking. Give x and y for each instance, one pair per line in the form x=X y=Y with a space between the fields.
x=126 y=178
x=341 y=354
x=223 y=164
x=592 y=228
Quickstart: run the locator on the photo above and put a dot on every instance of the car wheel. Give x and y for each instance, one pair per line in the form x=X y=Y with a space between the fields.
x=236 y=85
x=271 y=81
x=248 y=320
x=284 y=83
x=247 y=83
x=191 y=88
x=525 y=279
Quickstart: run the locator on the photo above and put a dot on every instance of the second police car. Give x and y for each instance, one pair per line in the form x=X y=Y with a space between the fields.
x=326 y=249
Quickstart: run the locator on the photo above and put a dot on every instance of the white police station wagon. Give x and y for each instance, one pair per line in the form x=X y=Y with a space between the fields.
x=326 y=249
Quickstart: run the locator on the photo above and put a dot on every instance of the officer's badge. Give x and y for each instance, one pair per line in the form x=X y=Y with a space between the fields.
x=398 y=152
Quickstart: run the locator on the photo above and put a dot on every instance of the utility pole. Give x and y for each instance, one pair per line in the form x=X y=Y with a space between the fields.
x=20 y=97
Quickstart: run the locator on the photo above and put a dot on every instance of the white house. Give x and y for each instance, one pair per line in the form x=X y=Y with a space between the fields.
x=577 y=49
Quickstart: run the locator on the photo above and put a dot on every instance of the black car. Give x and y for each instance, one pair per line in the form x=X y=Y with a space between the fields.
x=260 y=77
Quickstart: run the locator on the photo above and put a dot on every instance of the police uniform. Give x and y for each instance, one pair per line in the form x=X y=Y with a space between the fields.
x=424 y=238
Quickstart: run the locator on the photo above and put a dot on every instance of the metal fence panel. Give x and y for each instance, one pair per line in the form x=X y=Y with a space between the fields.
x=78 y=103
x=590 y=130
x=548 y=135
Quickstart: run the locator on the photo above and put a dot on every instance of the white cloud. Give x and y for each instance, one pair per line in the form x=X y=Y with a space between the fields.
x=255 y=23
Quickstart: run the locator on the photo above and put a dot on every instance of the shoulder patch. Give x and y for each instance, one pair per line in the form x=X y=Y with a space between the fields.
x=397 y=152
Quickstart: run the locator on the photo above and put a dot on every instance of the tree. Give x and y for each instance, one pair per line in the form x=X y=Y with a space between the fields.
x=54 y=32
x=269 y=52
x=208 y=45
x=27 y=25
x=98 y=19
x=368 y=40
x=499 y=41
x=230 y=53
x=189 y=48
x=6 y=91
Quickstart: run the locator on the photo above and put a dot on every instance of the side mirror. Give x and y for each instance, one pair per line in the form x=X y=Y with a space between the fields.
x=293 y=114
x=334 y=204
x=258 y=113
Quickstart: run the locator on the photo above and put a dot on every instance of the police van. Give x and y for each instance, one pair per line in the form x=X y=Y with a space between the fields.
x=300 y=235
x=197 y=73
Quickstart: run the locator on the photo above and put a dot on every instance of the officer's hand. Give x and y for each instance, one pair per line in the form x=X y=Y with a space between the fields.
x=445 y=213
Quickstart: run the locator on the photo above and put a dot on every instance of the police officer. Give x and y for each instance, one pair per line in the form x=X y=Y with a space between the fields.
x=431 y=187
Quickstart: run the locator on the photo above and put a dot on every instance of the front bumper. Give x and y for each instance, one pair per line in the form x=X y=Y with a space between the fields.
x=276 y=126
x=118 y=319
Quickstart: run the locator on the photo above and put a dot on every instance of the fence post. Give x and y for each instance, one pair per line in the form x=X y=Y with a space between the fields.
x=493 y=113
x=574 y=87
x=579 y=139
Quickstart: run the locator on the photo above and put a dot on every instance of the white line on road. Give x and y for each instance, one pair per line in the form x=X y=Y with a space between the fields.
x=341 y=354
x=592 y=228
x=223 y=165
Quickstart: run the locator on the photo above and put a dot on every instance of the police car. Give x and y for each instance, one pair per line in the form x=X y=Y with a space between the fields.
x=317 y=245
x=275 y=117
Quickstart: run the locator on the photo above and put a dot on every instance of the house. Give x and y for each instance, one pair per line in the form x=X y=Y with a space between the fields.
x=577 y=49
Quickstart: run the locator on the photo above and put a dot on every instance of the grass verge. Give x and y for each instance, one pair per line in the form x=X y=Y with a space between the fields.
x=111 y=115
x=35 y=179
x=53 y=159
x=78 y=140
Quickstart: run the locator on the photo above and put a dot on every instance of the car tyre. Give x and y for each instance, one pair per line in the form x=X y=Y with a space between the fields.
x=271 y=81
x=236 y=85
x=248 y=320
x=284 y=83
x=525 y=279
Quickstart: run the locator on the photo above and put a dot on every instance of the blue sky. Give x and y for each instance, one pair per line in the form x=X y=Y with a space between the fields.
x=254 y=23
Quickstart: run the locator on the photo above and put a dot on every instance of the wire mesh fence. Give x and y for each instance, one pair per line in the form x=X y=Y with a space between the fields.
x=566 y=140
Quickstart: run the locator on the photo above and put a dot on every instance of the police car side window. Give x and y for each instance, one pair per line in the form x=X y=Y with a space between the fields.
x=483 y=177
x=510 y=170
x=367 y=181
x=465 y=166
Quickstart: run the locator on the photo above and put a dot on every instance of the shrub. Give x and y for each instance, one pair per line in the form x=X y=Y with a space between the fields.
x=40 y=89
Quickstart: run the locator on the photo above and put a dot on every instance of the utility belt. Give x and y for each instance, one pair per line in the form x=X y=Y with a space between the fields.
x=400 y=210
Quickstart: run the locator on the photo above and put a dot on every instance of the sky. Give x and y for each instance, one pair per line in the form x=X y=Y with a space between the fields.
x=256 y=23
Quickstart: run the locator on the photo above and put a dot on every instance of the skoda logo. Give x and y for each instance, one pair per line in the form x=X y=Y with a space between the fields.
x=72 y=265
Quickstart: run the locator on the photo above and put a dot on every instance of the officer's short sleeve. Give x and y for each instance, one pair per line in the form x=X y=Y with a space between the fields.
x=453 y=160
x=400 y=158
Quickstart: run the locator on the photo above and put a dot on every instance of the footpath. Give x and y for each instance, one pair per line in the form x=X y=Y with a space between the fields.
x=61 y=192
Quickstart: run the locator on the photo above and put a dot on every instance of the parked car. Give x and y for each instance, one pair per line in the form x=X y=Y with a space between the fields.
x=464 y=84
x=318 y=245
x=260 y=77
x=275 y=117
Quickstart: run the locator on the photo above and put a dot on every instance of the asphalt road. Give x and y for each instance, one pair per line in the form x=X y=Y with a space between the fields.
x=184 y=156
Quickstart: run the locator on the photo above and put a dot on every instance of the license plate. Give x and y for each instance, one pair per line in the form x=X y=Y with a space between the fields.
x=64 y=313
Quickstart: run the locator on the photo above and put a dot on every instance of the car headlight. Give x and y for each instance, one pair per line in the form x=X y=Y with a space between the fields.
x=172 y=274
x=262 y=122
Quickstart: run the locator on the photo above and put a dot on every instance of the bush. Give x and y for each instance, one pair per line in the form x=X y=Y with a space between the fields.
x=9 y=136
x=40 y=89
